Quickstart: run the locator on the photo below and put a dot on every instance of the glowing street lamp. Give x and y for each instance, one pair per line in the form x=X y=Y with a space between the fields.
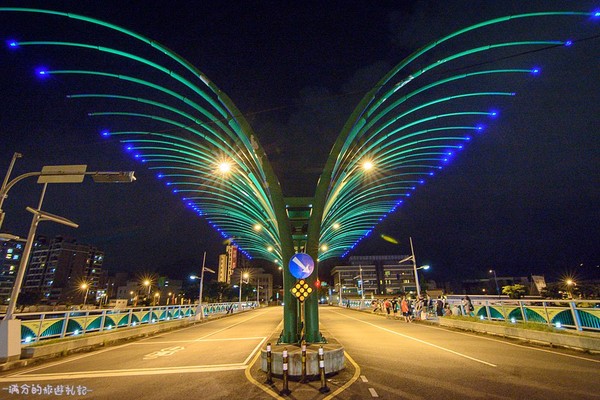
x=200 y=310
x=86 y=287
x=243 y=275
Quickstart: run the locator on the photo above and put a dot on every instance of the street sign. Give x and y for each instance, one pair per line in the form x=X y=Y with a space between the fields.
x=301 y=290
x=301 y=265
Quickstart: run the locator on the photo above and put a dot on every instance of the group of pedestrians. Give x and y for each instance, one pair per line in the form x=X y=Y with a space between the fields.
x=408 y=309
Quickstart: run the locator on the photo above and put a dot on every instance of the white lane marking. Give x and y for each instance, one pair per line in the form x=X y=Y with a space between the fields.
x=198 y=341
x=364 y=378
x=167 y=351
x=140 y=341
x=50 y=365
x=373 y=392
x=229 y=327
x=514 y=344
x=422 y=341
x=257 y=348
x=124 y=372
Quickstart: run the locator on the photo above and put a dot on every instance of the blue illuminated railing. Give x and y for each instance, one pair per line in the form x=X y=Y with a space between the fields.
x=36 y=327
x=573 y=314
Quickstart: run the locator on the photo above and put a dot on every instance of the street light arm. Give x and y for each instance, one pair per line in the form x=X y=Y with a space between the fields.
x=406 y=259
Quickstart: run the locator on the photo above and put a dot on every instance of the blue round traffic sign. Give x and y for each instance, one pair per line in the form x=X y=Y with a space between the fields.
x=301 y=265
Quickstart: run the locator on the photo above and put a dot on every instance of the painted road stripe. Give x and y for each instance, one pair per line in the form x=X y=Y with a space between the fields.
x=373 y=392
x=516 y=345
x=421 y=341
x=197 y=341
x=124 y=372
x=364 y=378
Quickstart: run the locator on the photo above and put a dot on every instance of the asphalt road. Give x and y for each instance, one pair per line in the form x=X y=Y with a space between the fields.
x=386 y=359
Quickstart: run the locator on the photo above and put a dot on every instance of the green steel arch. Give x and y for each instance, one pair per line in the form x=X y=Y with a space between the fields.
x=405 y=142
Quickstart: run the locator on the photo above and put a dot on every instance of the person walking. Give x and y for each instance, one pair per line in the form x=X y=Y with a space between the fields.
x=388 y=306
x=405 y=310
x=395 y=307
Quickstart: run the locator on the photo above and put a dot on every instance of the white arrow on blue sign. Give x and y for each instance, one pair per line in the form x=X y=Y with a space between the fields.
x=301 y=266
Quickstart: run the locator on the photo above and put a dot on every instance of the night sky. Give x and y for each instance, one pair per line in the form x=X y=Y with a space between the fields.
x=522 y=199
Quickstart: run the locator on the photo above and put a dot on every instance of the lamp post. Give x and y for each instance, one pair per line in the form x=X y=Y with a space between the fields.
x=493 y=271
x=244 y=275
x=147 y=283
x=200 y=310
x=414 y=262
x=60 y=174
x=86 y=287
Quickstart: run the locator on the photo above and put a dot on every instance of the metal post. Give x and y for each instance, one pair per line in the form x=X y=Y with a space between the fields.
x=240 y=297
x=303 y=348
x=576 y=318
x=284 y=366
x=414 y=260
x=24 y=259
x=548 y=321
x=3 y=187
x=487 y=310
x=323 y=388
x=269 y=365
x=201 y=284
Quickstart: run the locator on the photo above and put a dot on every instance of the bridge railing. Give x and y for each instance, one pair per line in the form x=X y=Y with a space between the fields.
x=36 y=327
x=573 y=314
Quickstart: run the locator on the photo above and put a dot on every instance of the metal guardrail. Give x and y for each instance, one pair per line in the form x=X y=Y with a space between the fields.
x=572 y=314
x=36 y=327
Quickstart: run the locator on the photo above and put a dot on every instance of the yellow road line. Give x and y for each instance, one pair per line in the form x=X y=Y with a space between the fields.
x=350 y=382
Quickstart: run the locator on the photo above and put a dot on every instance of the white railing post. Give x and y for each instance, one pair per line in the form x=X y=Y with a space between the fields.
x=65 y=325
x=575 y=313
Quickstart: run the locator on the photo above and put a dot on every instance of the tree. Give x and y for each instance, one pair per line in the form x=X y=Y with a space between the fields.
x=514 y=291
x=28 y=299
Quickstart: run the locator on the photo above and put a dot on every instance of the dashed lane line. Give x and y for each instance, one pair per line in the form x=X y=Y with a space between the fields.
x=373 y=392
x=364 y=378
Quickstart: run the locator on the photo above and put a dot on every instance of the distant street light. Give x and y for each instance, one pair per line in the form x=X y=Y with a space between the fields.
x=493 y=271
x=200 y=310
x=157 y=298
x=86 y=287
x=244 y=275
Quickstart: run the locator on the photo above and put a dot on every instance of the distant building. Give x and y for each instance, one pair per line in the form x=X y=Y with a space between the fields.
x=58 y=267
x=10 y=257
x=376 y=275
x=260 y=280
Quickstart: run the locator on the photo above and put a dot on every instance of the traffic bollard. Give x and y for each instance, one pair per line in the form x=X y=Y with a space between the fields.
x=284 y=367
x=324 y=388
x=269 y=365
x=303 y=346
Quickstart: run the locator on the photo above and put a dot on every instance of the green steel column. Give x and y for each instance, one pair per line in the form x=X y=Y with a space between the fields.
x=290 y=303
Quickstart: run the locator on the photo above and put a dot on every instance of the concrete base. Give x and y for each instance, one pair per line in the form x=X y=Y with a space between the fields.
x=333 y=356
x=10 y=340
